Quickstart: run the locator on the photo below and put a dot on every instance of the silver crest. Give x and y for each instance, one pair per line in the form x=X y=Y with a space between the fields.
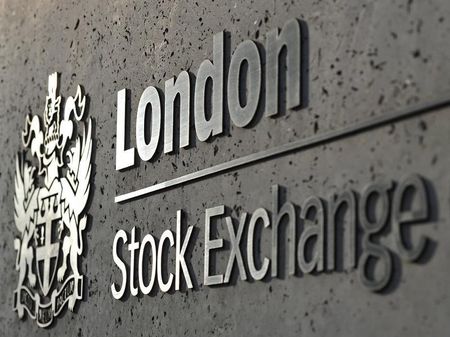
x=50 y=203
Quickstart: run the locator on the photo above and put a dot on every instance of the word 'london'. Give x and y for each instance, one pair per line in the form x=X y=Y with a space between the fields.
x=319 y=238
x=243 y=102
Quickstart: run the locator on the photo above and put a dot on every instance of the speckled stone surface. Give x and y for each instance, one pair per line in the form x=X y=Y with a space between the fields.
x=366 y=59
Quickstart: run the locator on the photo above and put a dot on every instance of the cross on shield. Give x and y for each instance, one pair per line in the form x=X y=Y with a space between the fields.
x=47 y=241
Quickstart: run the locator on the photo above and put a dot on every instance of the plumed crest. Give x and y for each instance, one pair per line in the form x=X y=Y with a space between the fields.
x=75 y=106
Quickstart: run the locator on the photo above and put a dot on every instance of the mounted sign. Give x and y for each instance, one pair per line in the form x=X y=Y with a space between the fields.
x=313 y=234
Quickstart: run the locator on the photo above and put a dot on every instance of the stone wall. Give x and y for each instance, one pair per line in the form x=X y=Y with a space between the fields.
x=364 y=60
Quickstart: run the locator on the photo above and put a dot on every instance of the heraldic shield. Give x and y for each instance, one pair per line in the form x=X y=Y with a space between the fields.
x=51 y=193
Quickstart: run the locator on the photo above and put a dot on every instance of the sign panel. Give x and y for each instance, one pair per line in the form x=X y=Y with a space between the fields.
x=254 y=169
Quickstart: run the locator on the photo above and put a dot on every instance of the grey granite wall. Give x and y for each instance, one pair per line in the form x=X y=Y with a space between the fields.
x=366 y=59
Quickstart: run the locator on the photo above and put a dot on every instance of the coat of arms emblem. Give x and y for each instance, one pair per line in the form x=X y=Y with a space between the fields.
x=51 y=194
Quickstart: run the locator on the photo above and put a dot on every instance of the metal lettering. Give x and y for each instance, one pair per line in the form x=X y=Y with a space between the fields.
x=246 y=53
x=289 y=38
x=278 y=213
x=118 y=294
x=211 y=245
x=336 y=204
x=213 y=71
x=371 y=226
x=313 y=228
x=147 y=240
x=164 y=286
x=257 y=274
x=235 y=254
x=180 y=252
x=181 y=88
x=133 y=247
x=124 y=157
x=405 y=214
x=150 y=96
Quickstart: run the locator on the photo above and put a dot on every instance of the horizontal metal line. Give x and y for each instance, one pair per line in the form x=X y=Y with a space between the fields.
x=284 y=149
